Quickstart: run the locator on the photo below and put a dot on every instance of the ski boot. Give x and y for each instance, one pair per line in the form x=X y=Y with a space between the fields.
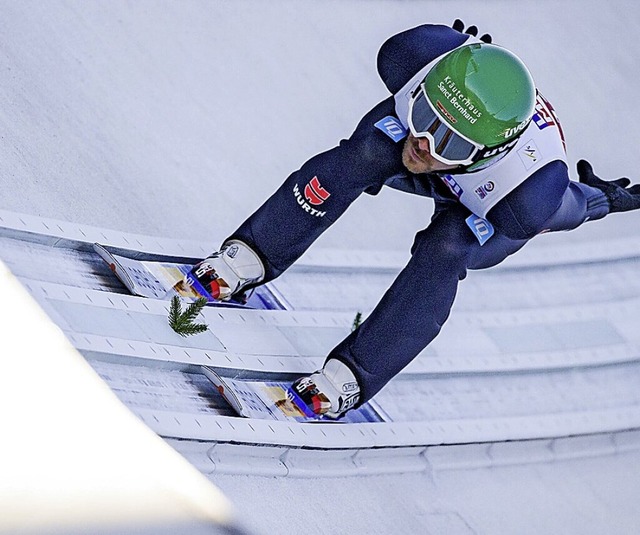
x=226 y=272
x=331 y=391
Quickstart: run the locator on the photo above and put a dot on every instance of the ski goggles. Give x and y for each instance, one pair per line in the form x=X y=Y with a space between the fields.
x=445 y=144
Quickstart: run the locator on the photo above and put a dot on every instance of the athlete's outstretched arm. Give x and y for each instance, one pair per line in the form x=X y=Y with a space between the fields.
x=620 y=195
x=593 y=198
x=547 y=201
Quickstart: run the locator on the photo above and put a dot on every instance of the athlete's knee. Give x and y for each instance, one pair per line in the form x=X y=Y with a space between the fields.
x=448 y=248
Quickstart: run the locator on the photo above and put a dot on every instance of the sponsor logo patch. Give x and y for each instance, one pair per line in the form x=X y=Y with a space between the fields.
x=545 y=116
x=485 y=189
x=453 y=185
x=481 y=228
x=392 y=127
x=314 y=195
x=444 y=112
x=347 y=403
x=461 y=102
x=529 y=154
x=503 y=148
x=350 y=387
x=232 y=251
x=513 y=131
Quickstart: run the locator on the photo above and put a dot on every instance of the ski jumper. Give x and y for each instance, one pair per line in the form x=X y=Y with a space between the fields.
x=480 y=218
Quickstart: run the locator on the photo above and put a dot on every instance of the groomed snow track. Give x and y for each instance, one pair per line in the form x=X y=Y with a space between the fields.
x=542 y=349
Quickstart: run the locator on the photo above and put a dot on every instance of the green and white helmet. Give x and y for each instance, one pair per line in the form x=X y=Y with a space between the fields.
x=483 y=93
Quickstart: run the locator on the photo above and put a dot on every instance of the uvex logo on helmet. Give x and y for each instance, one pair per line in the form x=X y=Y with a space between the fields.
x=315 y=193
x=510 y=132
x=488 y=153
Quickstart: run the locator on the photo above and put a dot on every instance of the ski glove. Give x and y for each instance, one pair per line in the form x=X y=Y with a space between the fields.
x=621 y=198
x=226 y=272
x=458 y=26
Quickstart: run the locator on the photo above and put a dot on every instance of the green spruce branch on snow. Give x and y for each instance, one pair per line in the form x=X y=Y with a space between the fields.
x=183 y=322
x=357 y=321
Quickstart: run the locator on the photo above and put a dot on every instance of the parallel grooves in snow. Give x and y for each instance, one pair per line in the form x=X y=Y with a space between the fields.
x=520 y=372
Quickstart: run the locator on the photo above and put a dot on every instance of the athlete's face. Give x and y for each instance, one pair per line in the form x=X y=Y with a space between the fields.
x=417 y=158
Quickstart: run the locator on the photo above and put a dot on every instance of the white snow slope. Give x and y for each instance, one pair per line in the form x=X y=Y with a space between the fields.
x=178 y=118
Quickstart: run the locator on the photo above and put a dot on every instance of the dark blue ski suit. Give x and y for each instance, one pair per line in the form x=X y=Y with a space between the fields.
x=413 y=310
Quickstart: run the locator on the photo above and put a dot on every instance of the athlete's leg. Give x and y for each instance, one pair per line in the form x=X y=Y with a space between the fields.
x=417 y=304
